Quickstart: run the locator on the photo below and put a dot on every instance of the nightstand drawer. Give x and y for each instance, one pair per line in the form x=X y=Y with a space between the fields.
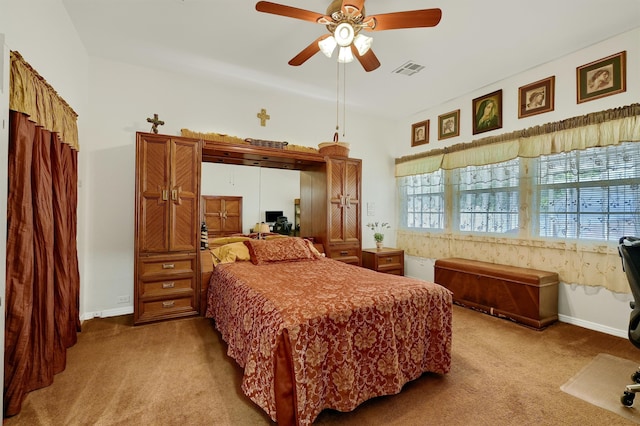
x=387 y=260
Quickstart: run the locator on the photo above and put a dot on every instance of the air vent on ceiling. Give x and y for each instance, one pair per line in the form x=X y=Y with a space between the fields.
x=408 y=68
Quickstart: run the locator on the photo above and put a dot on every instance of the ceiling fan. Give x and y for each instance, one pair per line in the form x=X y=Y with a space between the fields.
x=345 y=20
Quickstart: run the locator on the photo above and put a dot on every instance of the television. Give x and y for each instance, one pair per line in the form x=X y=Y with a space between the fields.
x=272 y=216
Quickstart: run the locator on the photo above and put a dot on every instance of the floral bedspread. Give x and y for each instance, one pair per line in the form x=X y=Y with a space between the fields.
x=353 y=333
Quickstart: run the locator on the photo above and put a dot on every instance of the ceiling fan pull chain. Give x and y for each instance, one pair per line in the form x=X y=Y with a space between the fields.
x=344 y=99
x=335 y=136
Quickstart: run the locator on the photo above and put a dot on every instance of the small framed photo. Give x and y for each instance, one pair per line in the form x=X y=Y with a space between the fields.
x=604 y=77
x=536 y=98
x=420 y=133
x=449 y=125
x=487 y=112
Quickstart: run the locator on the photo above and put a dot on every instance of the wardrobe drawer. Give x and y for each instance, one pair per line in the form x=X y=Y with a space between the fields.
x=166 y=266
x=345 y=254
x=164 y=309
x=167 y=287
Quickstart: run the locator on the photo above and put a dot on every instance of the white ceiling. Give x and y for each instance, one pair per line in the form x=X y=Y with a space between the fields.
x=477 y=43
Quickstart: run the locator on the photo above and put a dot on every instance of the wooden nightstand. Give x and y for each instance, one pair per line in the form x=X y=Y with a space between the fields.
x=387 y=260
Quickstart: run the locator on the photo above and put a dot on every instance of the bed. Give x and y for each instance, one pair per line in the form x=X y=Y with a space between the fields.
x=313 y=333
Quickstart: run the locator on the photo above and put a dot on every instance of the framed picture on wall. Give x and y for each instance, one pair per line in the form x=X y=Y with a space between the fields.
x=420 y=133
x=536 y=98
x=604 y=77
x=449 y=125
x=487 y=112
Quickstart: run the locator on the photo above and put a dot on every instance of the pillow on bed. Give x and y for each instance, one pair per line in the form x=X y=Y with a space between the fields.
x=278 y=250
x=313 y=249
x=274 y=236
x=228 y=253
x=218 y=241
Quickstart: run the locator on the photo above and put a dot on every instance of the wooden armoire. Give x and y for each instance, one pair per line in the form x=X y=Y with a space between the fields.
x=167 y=227
x=330 y=208
x=167 y=265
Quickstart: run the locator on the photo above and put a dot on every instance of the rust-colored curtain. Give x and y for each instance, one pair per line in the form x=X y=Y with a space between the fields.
x=43 y=280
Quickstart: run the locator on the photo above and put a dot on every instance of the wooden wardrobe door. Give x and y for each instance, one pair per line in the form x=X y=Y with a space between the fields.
x=344 y=208
x=336 y=174
x=212 y=211
x=184 y=196
x=232 y=215
x=154 y=174
x=351 y=210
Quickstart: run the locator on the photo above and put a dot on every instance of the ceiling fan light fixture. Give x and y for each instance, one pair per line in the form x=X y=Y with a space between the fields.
x=344 y=55
x=362 y=43
x=327 y=46
x=344 y=34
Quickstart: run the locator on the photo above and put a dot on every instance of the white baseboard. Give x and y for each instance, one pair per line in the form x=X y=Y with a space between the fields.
x=107 y=313
x=593 y=326
x=562 y=318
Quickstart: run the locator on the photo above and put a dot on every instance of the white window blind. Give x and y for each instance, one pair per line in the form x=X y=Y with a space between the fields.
x=487 y=197
x=422 y=200
x=591 y=194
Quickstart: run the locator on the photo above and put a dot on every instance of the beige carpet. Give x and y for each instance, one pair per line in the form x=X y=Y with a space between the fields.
x=177 y=373
x=602 y=382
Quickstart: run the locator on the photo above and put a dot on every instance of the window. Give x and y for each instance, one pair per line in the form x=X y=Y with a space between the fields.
x=590 y=194
x=488 y=197
x=422 y=200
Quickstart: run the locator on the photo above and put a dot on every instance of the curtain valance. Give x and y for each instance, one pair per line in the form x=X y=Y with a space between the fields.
x=603 y=128
x=31 y=94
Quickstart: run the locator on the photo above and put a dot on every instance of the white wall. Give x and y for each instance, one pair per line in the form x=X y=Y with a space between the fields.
x=60 y=58
x=114 y=99
x=590 y=307
x=564 y=69
x=125 y=95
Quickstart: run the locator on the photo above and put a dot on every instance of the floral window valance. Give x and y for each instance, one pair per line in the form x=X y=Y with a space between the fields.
x=603 y=128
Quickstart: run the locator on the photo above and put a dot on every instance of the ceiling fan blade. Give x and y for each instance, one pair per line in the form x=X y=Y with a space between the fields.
x=408 y=19
x=369 y=60
x=356 y=4
x=291 y=12
x=307 y=52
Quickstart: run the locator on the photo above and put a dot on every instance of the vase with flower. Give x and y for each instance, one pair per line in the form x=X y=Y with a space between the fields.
x=378 y=235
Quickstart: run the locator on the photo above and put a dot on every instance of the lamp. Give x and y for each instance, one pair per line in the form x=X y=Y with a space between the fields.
x=344 y=35
x=362 y=43
x=261 y=228
x=344 y=55
x=327 y=46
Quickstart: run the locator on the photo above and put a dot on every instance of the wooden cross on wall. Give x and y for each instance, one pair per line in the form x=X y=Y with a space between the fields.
x=156 y=122
x=263 y=116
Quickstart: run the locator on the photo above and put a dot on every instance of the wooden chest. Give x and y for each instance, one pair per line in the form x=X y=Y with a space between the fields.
x=528 y=296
